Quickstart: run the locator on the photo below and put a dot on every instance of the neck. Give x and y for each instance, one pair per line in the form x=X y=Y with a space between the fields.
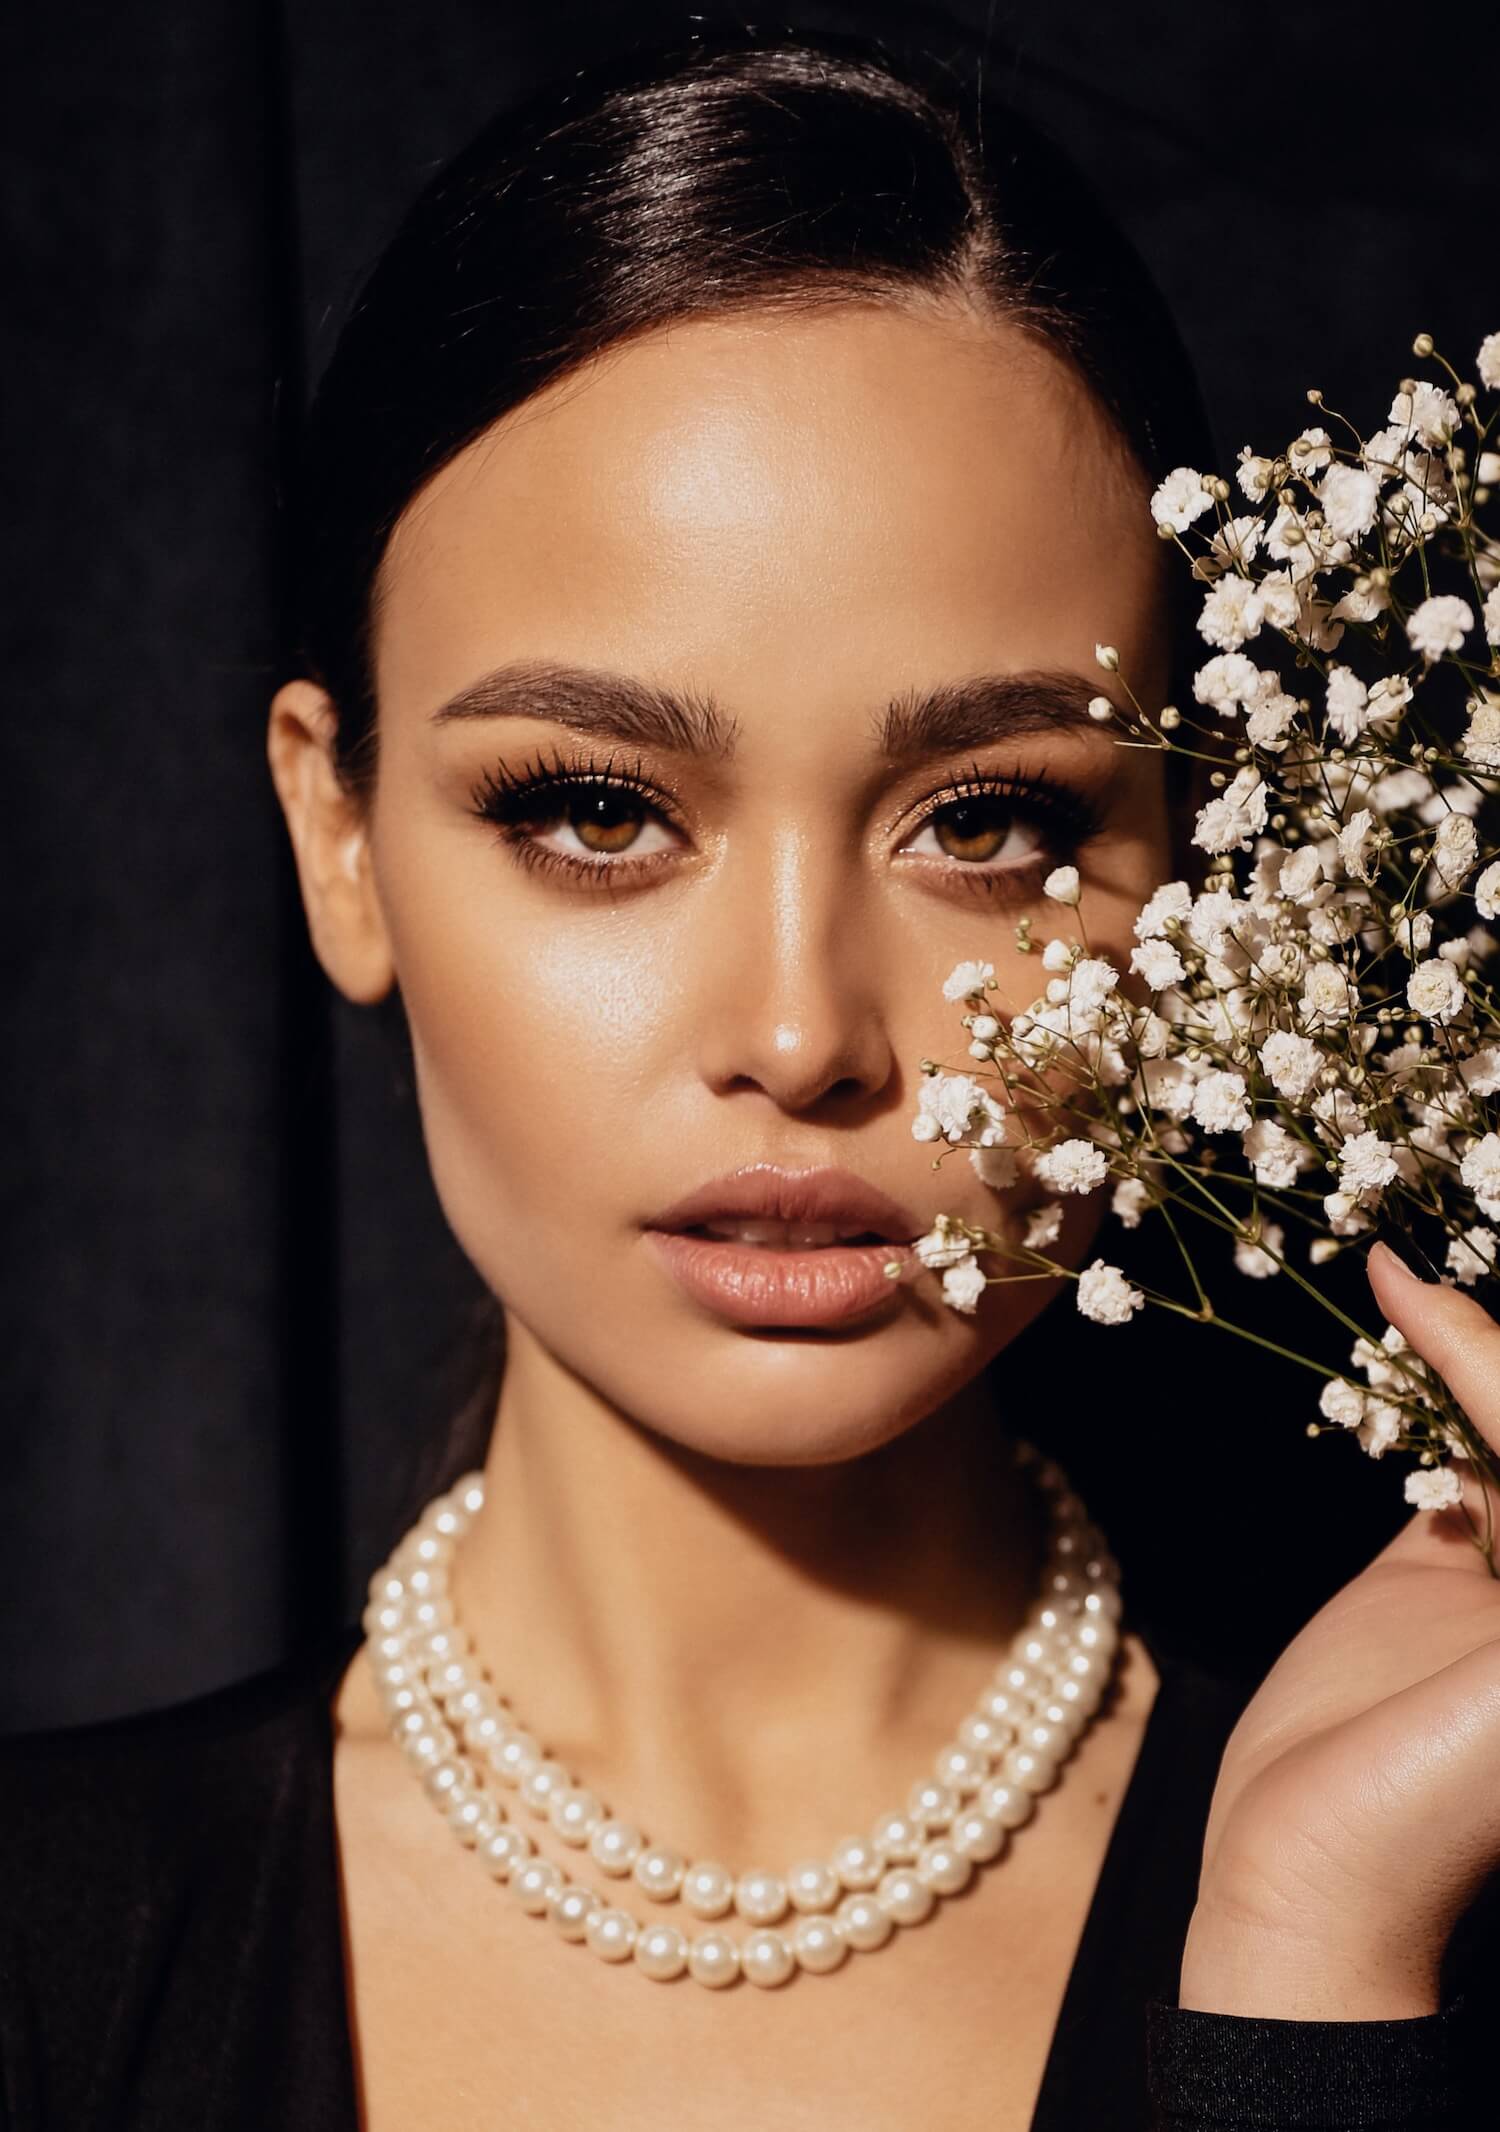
x=720 y=1650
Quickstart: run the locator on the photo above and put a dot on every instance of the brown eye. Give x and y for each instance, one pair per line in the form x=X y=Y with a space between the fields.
x=605 y=822
x=978 y=830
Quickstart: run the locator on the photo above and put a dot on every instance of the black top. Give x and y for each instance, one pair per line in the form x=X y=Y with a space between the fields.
x=171 y=1941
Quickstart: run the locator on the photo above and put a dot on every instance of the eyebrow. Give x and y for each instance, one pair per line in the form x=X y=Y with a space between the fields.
x=912 y=728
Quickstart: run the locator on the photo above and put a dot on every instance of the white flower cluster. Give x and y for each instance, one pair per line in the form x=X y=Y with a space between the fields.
x=1308 y=1035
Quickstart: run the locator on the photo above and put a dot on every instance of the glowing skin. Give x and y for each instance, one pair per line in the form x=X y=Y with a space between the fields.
x=800 y=518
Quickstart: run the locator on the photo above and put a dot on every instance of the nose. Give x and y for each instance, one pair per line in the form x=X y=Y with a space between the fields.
x=794 y=1007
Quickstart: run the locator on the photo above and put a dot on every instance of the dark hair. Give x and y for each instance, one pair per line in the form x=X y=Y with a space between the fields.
x=727 y=169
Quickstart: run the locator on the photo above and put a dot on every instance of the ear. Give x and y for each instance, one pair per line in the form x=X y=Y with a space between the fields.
x=329 y=828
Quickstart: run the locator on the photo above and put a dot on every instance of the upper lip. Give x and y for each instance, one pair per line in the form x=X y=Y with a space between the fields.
x=764 y=1191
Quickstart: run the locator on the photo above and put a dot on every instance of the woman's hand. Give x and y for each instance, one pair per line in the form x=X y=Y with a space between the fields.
x=1357 y=1810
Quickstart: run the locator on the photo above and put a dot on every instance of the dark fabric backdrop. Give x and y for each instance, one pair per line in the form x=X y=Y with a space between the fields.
x=232 y=1316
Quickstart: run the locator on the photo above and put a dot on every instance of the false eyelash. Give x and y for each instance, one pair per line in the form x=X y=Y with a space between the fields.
x=512 y=799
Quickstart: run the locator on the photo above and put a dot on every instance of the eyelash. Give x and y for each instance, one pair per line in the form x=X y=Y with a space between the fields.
x=516 y=802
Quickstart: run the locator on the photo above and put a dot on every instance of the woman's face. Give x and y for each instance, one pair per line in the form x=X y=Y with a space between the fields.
x=745 y=547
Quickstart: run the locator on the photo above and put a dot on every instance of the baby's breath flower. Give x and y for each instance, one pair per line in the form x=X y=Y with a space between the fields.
x=1487 y=361
x=1255 y=1259
x=968 y=979
x=1128 y=1200
x=1232 y=613
x=1181 y=498
x=1439 y=625
x=1062 y=884
x=1105 y=1295
x=1481 y=741
x=1491 y=611
x=1472 y=1255
x=1454 y=848
x=1221 y=1104
x=1275 y=1155
x=1428 y=410
x=1072 y=1166
x=1236 y=816
x=1366 y=1165
x=963 y=1285
x=945 y=1244
x=1159 y=963
x=1433 y=1487
x=1044 y=1226
x=1434 y=991
x=1172 y=901
x=1254 y=475
x=1350 y=497
x=1341 y=1402
x=1106 y=656
x=1487 y=892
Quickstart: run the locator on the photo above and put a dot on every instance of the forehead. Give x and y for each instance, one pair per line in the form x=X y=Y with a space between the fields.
x=822 y=502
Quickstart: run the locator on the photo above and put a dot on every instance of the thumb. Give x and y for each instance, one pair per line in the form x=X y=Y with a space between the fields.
x=1449 y=1330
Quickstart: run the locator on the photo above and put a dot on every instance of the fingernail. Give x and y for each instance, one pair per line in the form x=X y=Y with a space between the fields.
x=1397 y=1252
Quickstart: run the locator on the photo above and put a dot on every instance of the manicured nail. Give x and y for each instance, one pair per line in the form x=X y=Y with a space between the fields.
x=1395 y=1253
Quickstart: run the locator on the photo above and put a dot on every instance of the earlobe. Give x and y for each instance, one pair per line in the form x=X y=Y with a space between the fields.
x=329 y=828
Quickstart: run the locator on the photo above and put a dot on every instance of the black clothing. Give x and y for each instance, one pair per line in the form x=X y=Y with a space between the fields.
x=171 y=1944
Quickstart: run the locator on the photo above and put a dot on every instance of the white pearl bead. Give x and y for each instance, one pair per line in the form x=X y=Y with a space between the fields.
x=765 y=1958
x=812 y=1885
x=865 y=1922
x=944 y=1867
x=1084 y=1696
x=961 y=1768
x=1020 y=1679
x=571 y=1908
x=1007 y=1803
x=713 y=1958
x=1054 y=1613
x=1004 y=1706
x=1088 y=1665
x=484 y=1732
x=470 y=1496
x=1097 y=1634
x=979 y=1836
x=905 y=1896
x=616 y=1845
x=1030 y=1770
x=857 y=1862
x=932 y=1803
x=467 y=1817
x=896 y=1837
x=575 y=1813
x=1043 y=1648
x=660 y=1952
x=507 y=1848
x=985 y=1735
x=818 y=1944
x=533 y=1883
x=658 y=1872
x=515 y=1757
x=610 y=1934
x=539 y=1784
x=761 y=1896
x=1042 y=1738
x=383 y=1620
x=708 y=1888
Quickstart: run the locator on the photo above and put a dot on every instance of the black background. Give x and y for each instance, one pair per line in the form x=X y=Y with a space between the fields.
x=232 y=1314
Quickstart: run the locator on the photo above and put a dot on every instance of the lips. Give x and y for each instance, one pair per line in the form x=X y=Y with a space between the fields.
x=772 y=1247
x=764 y=1193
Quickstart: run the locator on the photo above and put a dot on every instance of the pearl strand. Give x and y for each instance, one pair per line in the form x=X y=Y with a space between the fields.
x=448 y=1719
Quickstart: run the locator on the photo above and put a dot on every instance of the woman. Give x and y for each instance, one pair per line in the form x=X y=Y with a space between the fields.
x=710 y=513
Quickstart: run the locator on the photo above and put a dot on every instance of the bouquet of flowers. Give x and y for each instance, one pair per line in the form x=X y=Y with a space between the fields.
x=1310 y=1038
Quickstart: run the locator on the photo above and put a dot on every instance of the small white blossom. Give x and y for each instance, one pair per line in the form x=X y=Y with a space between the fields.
x=1432 y=413
x=967 y=979
x=1270 y=719
x=1220 y=1103
x=994 y=1166
x=944 y=1244
x=1480 y=1168
x=1439 y=625
x=1359 y=845
x=1301 y=872
x=1232 y=613
x=1236 y=816
x=1366 y=1165
x=963 y=1285
x=1487 y=891
x=1062 y=884
x=1058 y=955
x=1310 y=452
x=1341 y=1211
x=1348 y=701
x=1254 y=475
x=1227 y=682
x=1454 y=848
x=1435 y=991
x=1072 y=1166
x=1487 y=361
x=1275 y=1155
x=1181 y=498
x=1159 y=963
x=1106 y=1296
x=1173 y=900
x=1293 y=1064
x=1491 y=612
x=1255 y=1259
x=1044 y=1226
x=1433 y=1487
x=1350 y=498
x=1472 y=1256
x=1481 y=742
x=1341 y=1402
x=1327 y=995
x=1129 y=1200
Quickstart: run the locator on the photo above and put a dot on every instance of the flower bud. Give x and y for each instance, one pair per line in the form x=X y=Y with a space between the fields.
x=1422 y=345
x=1107 y=657
x=1170 y=718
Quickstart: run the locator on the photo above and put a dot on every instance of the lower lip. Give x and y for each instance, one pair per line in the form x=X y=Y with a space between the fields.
x=756 y=1284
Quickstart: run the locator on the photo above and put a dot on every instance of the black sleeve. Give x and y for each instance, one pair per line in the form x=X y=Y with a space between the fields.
x=1210 y=2072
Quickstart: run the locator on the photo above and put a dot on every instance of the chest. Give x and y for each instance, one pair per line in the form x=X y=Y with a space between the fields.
x=468 y=2012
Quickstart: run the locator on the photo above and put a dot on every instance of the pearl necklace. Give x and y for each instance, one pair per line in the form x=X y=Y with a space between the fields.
x=458 y=1731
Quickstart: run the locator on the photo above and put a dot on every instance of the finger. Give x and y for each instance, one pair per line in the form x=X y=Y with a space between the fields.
x=1448 y=1329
